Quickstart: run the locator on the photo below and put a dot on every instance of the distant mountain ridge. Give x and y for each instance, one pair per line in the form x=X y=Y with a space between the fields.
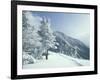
x=70 y=46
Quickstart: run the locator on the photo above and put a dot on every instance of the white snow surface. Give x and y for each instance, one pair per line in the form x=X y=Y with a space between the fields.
x=57 y=60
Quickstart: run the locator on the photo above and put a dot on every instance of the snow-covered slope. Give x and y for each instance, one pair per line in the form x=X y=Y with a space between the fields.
x=81 y=62
x=57 y=61
x=68 y=45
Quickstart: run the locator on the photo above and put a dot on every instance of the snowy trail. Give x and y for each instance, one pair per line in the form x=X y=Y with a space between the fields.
x=54 y=61
x=81 y=62
x=72 y=59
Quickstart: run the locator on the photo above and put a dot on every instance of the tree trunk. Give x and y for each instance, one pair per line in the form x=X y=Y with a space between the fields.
x=47 y=55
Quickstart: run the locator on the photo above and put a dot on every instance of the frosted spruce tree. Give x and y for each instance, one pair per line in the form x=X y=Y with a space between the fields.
x=46 y=33
x=30 y=37
x=76 y=54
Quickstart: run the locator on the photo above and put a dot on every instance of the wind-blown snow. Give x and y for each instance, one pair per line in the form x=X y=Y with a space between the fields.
x=57 y=60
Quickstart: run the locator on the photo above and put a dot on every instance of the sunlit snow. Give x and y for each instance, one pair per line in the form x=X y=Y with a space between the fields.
x=57 y=60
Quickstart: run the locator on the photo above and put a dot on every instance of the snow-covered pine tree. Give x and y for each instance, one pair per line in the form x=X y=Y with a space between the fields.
x=48 y=39
x=30 y=37
x=76 y=54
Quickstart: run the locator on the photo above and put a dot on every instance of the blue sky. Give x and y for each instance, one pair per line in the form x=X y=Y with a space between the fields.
x=76 y=25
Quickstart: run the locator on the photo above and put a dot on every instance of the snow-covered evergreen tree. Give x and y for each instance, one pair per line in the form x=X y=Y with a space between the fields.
x=27 y=59
x=48 y=39
x=76 y=54
x=30 y=36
